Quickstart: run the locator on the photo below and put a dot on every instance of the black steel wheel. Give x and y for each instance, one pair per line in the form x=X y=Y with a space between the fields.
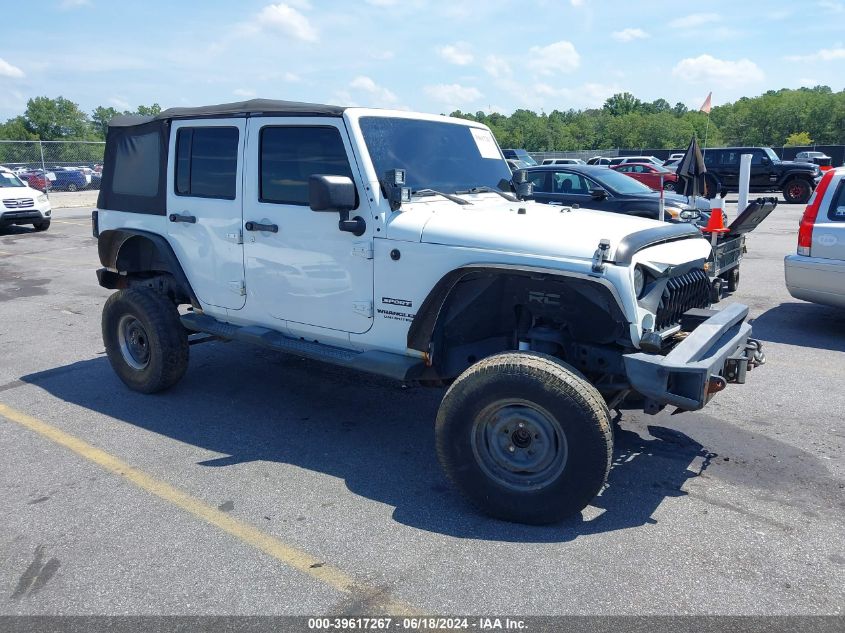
x=524 y=437
x=144 y=338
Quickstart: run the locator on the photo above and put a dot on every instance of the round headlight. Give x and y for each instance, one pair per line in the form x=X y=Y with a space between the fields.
x=639 y=281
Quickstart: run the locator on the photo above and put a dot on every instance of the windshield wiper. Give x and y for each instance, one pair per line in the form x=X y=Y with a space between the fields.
x=432 y=192
x=506 y=196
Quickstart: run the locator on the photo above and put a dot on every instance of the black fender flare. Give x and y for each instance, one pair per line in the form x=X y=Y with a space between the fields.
x=422 y=327
x=117 y=255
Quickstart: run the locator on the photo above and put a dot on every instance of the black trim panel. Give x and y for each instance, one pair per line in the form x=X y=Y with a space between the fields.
x=635 y=242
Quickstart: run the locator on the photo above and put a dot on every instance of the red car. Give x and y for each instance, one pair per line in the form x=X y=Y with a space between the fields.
x=34 y=179
x=649 y=175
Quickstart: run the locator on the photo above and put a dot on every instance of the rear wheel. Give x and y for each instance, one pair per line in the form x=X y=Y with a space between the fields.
x=72 y=187
x=669 y=186
x=144 y=338
x=797 y=191
x=525 y=438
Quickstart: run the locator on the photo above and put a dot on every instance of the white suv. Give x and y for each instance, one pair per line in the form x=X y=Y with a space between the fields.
x=22 y=204
x=401 y=244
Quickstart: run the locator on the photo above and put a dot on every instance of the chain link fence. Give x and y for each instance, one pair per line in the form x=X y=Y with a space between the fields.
x=55 y=165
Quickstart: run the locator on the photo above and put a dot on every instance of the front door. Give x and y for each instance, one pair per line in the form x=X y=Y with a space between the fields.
x=204 y=191
x=301 y=270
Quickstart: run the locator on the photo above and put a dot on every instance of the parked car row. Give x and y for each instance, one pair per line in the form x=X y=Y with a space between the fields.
x=61 y=178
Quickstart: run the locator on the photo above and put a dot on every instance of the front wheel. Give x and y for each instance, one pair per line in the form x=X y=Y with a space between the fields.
x=525 y=438
x=797 y=191
x=144 y=338
x=669 y=186
x=41 y=226
x=71 y=187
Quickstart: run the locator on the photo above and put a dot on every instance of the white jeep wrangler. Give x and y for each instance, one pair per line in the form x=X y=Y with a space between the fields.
x=400 y=244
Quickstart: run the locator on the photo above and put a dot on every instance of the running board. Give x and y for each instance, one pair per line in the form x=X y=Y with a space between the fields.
x=382 y=363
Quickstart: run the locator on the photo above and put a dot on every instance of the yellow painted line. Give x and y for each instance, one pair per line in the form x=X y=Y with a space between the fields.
x=242 y=531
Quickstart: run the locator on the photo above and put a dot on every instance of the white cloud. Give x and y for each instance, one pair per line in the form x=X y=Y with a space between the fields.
x=242 y=92
x=821 y=55
x=589 y=95
x=119 y=102
x=719 y=73
x=496 y=66
x=831 y=6
x=577 y=3
x=694 y=20
x=285 y=19
x=628 y=35
x=554 y=58
x=376 y=94
x=458 y=53
x=66 y=5
x=7 y=70
x=453 y=95
x=382 y=3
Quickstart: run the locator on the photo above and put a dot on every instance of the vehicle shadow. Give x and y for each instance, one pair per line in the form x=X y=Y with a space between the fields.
x=249 y=404
x=802 y=324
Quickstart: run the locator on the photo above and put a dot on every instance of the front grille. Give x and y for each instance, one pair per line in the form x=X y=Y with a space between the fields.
x=682 y=293
x=18 y=203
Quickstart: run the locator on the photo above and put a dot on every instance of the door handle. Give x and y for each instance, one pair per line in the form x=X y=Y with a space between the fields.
x=257 y=226
x=190 y=219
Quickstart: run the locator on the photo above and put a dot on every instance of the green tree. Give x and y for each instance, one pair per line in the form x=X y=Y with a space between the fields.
x=798 y=138
x=57 y=119
x=16 y=130
x=622 y=103
x=150 y=110
x=100 y=118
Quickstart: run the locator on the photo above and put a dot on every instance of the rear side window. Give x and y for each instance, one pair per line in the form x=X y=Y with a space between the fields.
x=136 y=165
x=538 y=179
x=290 y=155
x=207 y=162
x=837 y=208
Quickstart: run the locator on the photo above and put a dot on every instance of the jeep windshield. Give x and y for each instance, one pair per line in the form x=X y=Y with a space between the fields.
x=436 y=155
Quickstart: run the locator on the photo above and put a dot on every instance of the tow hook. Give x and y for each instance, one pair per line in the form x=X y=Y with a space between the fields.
x=716 y=384
x=756 y=357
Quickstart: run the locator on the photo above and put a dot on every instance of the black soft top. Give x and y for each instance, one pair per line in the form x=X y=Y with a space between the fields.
x=252 y=107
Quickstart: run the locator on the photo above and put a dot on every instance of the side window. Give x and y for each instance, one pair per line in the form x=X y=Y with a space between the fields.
x=136 y=163
x=729 y=159
x=837 y=207
x=570 y=183
x=624 y=169
x=538 y=179
x=207 y=162
x=757 y=157
x=290 y=155
x=711 y=158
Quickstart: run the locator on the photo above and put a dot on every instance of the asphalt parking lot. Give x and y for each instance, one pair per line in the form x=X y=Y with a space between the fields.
x=266 y=484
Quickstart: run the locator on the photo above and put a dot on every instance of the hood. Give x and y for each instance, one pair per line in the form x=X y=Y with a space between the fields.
x=542 y=230
x=791 y=164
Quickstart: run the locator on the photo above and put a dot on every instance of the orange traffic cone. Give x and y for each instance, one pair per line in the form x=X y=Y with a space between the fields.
x=716 y=223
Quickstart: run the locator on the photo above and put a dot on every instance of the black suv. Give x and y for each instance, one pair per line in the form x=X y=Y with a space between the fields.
x=768 y=172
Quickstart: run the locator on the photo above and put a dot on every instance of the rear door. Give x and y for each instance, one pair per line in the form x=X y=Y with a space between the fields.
x=204 y=194
x=829 y=230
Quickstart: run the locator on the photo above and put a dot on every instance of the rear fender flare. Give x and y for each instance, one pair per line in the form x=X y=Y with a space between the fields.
x=128 y=251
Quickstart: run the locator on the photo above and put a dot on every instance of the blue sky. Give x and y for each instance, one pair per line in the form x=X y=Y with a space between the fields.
x=423 y=55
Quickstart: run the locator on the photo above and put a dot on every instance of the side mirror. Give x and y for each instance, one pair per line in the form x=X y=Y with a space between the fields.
x=521 y=185
x=331 y=193
x=337 y=194
x=598 y=194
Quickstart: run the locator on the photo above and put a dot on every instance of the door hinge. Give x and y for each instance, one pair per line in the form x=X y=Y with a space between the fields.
x=238 y=287
x=363 y=307
x=237 y=238
x=363 y=249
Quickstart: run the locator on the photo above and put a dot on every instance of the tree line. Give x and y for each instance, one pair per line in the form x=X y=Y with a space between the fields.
x=778 y=117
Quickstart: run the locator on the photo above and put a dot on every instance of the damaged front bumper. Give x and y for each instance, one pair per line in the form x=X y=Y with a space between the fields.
x=719 y=350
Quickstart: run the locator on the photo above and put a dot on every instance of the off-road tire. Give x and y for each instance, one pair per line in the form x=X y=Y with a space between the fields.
x=797 y=191
x=164 y=339
x=732 y=277
x=541 y=381
x=41 y=226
